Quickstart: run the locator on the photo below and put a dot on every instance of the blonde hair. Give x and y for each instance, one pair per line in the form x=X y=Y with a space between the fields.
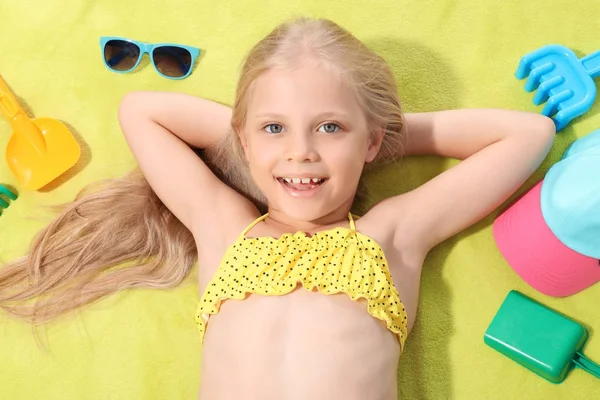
x=117 y=234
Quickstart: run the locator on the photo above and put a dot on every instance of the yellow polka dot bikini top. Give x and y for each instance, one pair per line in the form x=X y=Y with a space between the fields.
x=338 y=260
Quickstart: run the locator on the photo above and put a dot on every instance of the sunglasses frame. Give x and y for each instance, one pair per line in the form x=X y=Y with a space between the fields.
x=148 y=48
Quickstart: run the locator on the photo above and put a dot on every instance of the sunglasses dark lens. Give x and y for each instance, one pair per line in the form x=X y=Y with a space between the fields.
x=121 y=55
x=172 y=61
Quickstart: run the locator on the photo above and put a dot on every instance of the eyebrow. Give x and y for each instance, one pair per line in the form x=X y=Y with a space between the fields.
x=269 y=115
x=323 y=115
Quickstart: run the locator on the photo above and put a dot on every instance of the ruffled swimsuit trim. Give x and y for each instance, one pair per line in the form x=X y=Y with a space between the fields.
x=338 y=260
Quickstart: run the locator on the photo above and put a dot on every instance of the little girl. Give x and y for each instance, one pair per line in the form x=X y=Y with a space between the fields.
x=299 y=298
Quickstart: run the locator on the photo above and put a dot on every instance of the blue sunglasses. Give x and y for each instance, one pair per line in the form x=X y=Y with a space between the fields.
x=173 y=61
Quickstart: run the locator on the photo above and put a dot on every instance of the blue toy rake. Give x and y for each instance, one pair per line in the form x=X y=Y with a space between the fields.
x=563 y=81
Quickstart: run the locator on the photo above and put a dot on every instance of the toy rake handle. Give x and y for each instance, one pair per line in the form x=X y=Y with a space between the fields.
x=591 y=63
x=586 y=364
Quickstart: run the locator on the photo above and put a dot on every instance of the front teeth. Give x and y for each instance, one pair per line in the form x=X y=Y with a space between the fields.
x=302 y=180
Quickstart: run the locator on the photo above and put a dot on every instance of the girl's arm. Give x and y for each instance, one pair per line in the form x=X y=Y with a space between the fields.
x=500 y=149
x=160 y=128
x=198 y=122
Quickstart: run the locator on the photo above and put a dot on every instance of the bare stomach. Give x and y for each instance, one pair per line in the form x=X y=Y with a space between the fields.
x=304 y=345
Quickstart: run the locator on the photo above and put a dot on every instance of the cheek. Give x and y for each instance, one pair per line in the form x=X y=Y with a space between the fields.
x=348 y=160
x=261 y=159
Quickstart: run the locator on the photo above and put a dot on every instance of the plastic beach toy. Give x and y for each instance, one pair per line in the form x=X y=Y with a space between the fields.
x=562 y=80
x=39 y=150
x=538 y=338
x=6 y=193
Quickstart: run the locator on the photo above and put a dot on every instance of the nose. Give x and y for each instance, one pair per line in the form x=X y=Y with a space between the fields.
x=301 y=148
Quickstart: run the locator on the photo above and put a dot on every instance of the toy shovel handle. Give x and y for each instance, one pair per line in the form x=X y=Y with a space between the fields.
x=20 y=122
x=586 y=364
x=591 y=63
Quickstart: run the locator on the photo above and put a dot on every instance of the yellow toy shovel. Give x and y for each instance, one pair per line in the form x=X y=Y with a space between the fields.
x=40 y=149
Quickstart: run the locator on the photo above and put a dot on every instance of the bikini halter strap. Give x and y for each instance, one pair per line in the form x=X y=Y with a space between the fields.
x=351 y=222
x=256 y=221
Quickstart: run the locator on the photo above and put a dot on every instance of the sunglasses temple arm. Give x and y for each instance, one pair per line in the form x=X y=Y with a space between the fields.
x=183 y=67
x=117 y=58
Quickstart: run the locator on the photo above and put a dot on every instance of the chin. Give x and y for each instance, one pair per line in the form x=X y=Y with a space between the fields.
x=305 y=210
x=305 y=205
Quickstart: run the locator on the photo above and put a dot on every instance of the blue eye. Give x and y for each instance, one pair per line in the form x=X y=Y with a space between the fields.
x=329 y=127
x=273 y=128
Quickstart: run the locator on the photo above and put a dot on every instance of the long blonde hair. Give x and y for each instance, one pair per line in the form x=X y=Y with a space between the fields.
x=117 y=234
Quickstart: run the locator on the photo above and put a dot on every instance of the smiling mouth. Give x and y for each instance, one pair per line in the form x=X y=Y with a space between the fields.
x=302 y=183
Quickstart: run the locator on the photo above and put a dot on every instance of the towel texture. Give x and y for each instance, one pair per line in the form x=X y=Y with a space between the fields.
x=144 y=344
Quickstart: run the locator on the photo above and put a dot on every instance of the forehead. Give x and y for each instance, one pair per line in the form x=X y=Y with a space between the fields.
x=310 y=89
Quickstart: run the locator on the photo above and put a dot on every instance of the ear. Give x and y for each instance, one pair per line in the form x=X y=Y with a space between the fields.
x=243 y=142
x=375 y=141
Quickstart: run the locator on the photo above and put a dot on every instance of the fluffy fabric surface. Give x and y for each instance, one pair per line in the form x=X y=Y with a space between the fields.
x=144 y=344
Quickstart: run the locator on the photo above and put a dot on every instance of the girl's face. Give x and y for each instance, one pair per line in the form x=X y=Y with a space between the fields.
x=306 y=140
